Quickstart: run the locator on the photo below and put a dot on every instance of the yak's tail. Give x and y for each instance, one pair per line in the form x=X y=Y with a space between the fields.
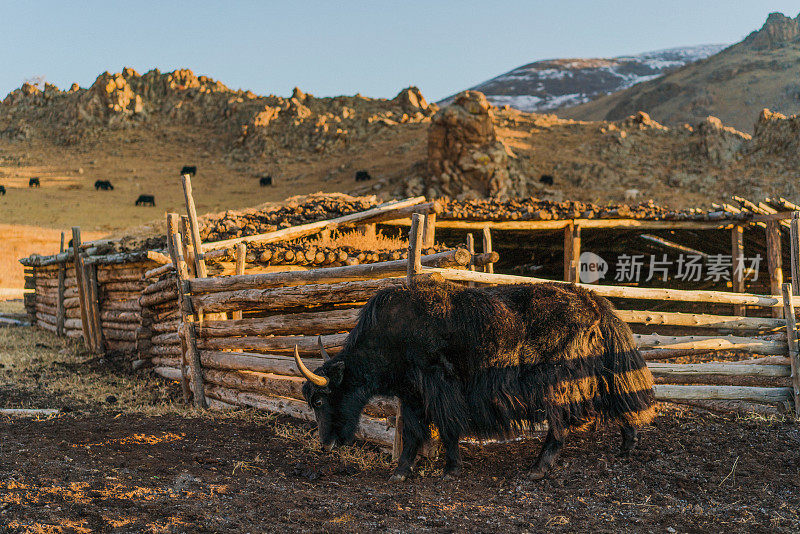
x=628 y=396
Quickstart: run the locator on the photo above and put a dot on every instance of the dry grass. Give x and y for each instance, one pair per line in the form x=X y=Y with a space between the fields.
x=359 y=241
x=40 y=370
x=18 y=241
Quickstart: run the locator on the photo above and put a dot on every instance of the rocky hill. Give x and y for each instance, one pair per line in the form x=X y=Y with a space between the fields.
x=759 y=72
x=245 y=123
x=555 y=83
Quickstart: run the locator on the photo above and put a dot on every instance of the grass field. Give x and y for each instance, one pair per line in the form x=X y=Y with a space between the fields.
x=18 y=241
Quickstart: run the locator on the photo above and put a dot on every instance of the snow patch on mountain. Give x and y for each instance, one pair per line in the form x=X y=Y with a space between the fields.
x=555 y=83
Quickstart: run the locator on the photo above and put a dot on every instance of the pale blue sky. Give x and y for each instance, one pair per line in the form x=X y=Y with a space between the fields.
x=344 y=47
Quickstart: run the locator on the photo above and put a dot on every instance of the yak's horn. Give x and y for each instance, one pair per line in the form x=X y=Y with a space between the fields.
x=325 y=355
x=320 y=381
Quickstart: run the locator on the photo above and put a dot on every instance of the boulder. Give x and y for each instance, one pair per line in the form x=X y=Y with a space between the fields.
x=465 y=158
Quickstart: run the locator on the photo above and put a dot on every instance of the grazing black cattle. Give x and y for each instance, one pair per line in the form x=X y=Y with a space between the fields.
x=3 y=190
x=144 y=200
x=191 y=170
x=105 y=185
x=546 y=179
x=478 y=361
x=265 y=181
x=362 y=176
x=34 y=182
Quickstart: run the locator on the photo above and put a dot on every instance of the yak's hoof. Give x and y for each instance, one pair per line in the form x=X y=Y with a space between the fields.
x=537 y=474
x=398 y=477
x=624 y=453
x=451 y=474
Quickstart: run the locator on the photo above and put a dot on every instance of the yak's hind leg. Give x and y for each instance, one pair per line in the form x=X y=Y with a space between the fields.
x=415 y=433
x=553 y=444
x=630 y=438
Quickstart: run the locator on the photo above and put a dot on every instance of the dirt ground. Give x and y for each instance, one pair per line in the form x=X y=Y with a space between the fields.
x=126 y=456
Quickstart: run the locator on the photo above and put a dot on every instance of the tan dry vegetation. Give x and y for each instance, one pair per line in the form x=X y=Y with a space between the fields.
x=18 y=241
x=359 y=241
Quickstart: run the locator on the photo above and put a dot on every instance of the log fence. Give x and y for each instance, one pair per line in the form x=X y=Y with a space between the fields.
x=228 y=339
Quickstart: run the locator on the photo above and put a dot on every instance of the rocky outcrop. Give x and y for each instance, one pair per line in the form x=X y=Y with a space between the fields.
x=465 y=158
x=720 y=144
x=250 y=125
x=777 y=137
x=777 y=31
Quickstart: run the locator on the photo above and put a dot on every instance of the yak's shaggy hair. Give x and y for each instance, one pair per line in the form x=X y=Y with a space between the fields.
x=485 y=361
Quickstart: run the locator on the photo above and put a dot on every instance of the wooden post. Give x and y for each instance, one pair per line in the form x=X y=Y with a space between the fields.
x=200 y=264
x=737 y=258
x=471 y=250
x=241 y=255
x=572 y=252
x=774 y=262
x=79 y=278
x=62 y=281
x=415 y=246
x=794 y=228
x=93 y=302
x=188 y=326
x=794 y=351
x=429 y=232
x=187 y=250
x=487 y=247
x=176 y=253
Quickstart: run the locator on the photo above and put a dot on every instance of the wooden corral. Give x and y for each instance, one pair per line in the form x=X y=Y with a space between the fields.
x=225 y=321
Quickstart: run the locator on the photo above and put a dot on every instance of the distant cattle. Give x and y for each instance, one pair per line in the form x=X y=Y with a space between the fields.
x=3 y=190
x=144 y=200
x=631 y=195
x=187 y=169
x=34 y=182
x=546 y=179
x=105 y=185
x=362 y=176
x=265 y=181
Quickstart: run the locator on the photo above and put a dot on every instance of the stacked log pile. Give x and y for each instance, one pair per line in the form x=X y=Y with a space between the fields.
x=120 y=287
x=295 y=211
x=42 y=306
x=308 y=254
x=534 y=209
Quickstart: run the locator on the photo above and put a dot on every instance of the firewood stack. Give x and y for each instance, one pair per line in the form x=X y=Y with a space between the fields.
x=120 y=287
x=534 y=209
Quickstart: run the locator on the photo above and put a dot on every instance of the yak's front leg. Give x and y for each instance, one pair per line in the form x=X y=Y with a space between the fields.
x=630 y=438
x=550 y=451
x=415 y=433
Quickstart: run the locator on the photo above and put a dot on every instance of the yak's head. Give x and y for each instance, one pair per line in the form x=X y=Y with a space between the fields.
x=324 y=393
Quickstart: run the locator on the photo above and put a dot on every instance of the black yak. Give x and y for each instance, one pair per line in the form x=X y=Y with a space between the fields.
x=362 y=176
x=34 y=182
x=265 y=181
x=546 y=179
x=481 y=361
x=105 y=185
x=3 y=190
x=191 y=170
x=144 y=200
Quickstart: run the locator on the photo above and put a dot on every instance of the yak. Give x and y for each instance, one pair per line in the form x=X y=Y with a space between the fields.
x=3 y=190
x=144 y=200
x=265 y=181
x=34 y=182
x=363 y=176
x=484 y=362
x=546 y=179
x=105 y=185
x=191 y=170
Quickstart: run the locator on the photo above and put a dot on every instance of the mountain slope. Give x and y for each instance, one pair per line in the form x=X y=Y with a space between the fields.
x=759 y=72
x=554 y=83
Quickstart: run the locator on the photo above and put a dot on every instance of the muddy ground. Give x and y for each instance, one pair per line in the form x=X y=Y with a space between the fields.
x=128 y=457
